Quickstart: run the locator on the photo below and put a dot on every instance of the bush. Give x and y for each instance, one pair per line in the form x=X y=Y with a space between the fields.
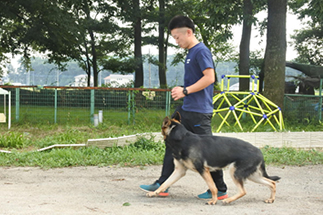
x=16 y=140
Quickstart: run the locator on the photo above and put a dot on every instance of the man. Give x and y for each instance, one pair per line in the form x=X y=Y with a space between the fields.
x=197 y=108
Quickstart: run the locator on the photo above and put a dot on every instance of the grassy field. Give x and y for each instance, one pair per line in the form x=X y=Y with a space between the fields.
x=24 y=138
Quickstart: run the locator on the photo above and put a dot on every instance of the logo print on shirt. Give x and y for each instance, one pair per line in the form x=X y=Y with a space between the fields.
x=188 y=61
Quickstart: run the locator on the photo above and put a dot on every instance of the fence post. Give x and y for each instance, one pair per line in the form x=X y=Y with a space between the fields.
x=129 y=106
x=92 y=106
x=133 y=106
x=319 y=109
x=167 y=103
x=55 y=106
x=9 y=111
x=17 y=103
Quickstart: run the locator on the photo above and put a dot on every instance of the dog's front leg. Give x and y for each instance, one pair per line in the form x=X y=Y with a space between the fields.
x=210 y=183
x=179 y=172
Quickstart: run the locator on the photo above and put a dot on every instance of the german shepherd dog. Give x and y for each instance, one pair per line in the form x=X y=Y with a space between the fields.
x=203 y=154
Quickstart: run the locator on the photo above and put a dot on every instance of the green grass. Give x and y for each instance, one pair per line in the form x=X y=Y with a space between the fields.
x=292 y=156
x=45 y=115
x=142 y=153
x=11 y=139
x=24 y=139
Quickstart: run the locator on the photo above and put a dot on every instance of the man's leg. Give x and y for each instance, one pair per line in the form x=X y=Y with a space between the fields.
x=219 y=183
x=167 y=170
x=168 y=166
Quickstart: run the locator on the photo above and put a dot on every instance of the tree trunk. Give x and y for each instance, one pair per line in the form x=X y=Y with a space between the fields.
x=161 y=45
x=93 y=49
x=87 y=64
x=275 y=56
x=244 y=55
x=94 y=61
x=139 y=71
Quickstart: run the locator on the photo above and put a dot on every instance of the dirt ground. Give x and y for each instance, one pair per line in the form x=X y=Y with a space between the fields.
x=112 y=190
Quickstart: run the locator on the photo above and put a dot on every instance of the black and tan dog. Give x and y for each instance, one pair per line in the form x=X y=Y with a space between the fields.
x=204 y=154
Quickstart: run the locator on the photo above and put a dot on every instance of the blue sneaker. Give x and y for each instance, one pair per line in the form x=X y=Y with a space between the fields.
x=153 y=187
x=208 y=195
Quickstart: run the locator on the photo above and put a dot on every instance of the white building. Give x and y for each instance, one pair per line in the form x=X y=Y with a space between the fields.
x=81 y=81
x=116 y=80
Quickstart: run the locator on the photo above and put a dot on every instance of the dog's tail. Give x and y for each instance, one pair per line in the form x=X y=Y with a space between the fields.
x=264 y=173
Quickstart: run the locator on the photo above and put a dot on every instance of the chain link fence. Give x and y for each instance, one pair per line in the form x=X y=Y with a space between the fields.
x=303 y=107
x=63 y=105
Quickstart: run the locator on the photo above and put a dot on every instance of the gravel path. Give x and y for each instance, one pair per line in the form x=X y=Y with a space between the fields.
x=112 y=190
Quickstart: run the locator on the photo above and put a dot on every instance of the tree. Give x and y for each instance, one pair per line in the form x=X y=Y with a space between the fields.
x=213 y=20
x=26 y=25
x=250 y=8
x=244 y=60
x=275 y=54
x=139 y=70
x=81 y=30
x=131 y=12
x=308 y=41
x=99 y=35
x=160 y=15
x=161 y=45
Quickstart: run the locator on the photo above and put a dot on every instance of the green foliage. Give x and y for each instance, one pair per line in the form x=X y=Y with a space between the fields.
x=124 y=66
x=148 y=145
x=143 y=152
x=69 y=136
x=16 y=140
x=308 y=41
x=292 y=156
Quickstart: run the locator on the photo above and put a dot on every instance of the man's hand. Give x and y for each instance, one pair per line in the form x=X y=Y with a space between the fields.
x=177 y=93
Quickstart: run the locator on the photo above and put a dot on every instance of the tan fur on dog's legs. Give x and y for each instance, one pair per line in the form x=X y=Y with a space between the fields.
x=210 y=183
x=240 y=186
x=272 y=186
x=258 y=178
x=269 y=183
x=179 y=172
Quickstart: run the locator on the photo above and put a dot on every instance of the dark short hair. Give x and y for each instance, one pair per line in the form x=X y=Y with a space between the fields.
x=180 y=21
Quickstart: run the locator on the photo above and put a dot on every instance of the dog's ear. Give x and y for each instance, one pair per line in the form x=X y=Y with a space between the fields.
x=177 y=116
x=165 y=127
x=166 y=122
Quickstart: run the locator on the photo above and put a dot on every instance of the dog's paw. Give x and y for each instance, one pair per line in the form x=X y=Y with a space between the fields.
x=212 y=202
x=151 y=194
x=269 y=201
x=226 y=201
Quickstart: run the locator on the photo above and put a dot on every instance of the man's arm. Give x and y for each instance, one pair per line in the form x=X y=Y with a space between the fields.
x=207 y=79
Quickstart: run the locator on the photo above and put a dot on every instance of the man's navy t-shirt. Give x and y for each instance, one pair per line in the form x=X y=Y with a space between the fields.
x=197 y=60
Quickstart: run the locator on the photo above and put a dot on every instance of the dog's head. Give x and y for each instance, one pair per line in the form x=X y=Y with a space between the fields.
x=169 y=124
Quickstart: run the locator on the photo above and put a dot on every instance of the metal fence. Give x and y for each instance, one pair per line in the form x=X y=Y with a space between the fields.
x=62 y=105
x=303 y=107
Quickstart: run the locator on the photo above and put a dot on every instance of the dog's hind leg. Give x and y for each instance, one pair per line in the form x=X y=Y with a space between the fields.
x=256 y=177
x=238 y=183
x=179 y=172
x=210 y=183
